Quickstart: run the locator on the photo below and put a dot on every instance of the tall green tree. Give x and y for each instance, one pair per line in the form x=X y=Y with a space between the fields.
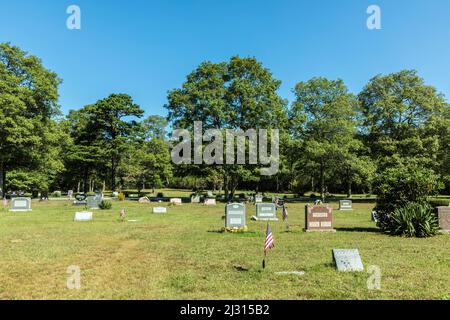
x=28 y=104
x=239 y=94
x=324 y=117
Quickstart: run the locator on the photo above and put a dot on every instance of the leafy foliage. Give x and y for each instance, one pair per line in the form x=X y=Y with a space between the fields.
x=105 y=205
x=412 y=220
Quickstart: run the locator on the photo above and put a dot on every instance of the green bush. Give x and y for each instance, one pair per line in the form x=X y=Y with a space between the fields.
x=121 y=197
x=412 y=220
x=57 y=194
x=397 y=186
x=105 y=205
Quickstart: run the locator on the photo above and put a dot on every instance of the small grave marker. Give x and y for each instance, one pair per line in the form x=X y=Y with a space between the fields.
x=176 y=201
x=83 y=216
x=20 y=204
x=345 y=205
x=347 y=260
x=210 y=202
x=159 y=210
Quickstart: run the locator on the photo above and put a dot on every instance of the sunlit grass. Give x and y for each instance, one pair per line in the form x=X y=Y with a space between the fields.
x=181 y=255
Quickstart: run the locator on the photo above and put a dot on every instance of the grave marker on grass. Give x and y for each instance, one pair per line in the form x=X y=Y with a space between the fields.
x=319 y=218
x=347 y=260
x=266 y=212
x=83 y=216
x=20 y=204
x=159 y=210
x=235 y=215
x=345 y=205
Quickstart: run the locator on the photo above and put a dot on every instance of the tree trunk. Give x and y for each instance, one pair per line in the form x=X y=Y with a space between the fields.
x=113 y=175
x=322 y=180
x=349 y=184
x=85 y=182
x=3 y=179
x=226 y=186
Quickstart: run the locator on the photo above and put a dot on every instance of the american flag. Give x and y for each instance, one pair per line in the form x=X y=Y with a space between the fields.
x=285 y=213
x=269 y=239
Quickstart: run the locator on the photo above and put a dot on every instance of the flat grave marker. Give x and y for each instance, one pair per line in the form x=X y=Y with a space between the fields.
x=160 y=210
x=347 y=260
x=235 y=215
x=83 y=216
x=210 y=202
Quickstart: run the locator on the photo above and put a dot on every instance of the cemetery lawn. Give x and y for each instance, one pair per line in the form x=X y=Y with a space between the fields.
x=182 y=255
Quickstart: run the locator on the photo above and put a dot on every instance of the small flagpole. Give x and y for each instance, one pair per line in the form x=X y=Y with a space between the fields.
x=264 y=260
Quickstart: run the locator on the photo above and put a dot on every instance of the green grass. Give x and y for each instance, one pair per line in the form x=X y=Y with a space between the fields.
x=182 y=255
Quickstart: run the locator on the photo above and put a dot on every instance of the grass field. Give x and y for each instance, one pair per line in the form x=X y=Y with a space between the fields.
x=182 y=255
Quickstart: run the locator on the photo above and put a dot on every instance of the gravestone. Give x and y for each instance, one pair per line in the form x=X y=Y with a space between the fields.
x=319 y=218
x=210 y=202
x=176 y=201
x=266 y=212
x=258 y=199
x=20 y=204
x=347 y=260
x=80 y=199
x=115 y=194
x=144 y=200
x=93 y=202
x=195 y=199
x=210 y=194
x=70 y=194
x=235 y=215
x=159 y=210
x=345 y=205
x=443 y=214
x=83 y=216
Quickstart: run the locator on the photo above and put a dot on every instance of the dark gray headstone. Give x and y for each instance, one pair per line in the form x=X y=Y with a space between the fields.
x=235 y=215
x=93 y=202
x=347 y=260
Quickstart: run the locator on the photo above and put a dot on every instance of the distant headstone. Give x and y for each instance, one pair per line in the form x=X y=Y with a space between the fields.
x=93 y=202
x=195 y=199
x=347 y=260
x=210 y=202
x=70 y=194
x=210 y=194
x=444 y=218
x=144 y=200
x=176 y=201
x=20 y=204
x=319 y=218
x=80 y=199
x=115 y=194
x=83 y=216
x=235 y=215
x=159 y=210
x=345 y=205
x=266 y=211
x=258 y=199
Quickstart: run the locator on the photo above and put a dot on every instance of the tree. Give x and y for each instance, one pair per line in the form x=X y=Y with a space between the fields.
x=28 y=100
x=325 y=113
x=239 y=94
x=113 y=118
x=396 y=110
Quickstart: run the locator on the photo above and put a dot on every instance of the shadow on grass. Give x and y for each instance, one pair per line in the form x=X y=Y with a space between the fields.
x=358 y=229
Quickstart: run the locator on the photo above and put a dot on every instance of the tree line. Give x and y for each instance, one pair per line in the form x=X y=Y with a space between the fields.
x=331 y=140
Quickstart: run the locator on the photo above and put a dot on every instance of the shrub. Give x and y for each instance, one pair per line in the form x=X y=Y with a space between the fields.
x=397 y=186
x=160 y=195
x=57 y=194
x=121 y=197
x=412 y=220
x=105 y=205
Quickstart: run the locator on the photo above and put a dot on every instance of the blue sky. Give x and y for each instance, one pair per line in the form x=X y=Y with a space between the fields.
x=145 y=48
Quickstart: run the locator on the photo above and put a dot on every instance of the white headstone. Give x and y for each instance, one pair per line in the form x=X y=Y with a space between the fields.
x=210 y=202
x=20 y=204
x=83 y=216
x=160 y=210
x=176 y=201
